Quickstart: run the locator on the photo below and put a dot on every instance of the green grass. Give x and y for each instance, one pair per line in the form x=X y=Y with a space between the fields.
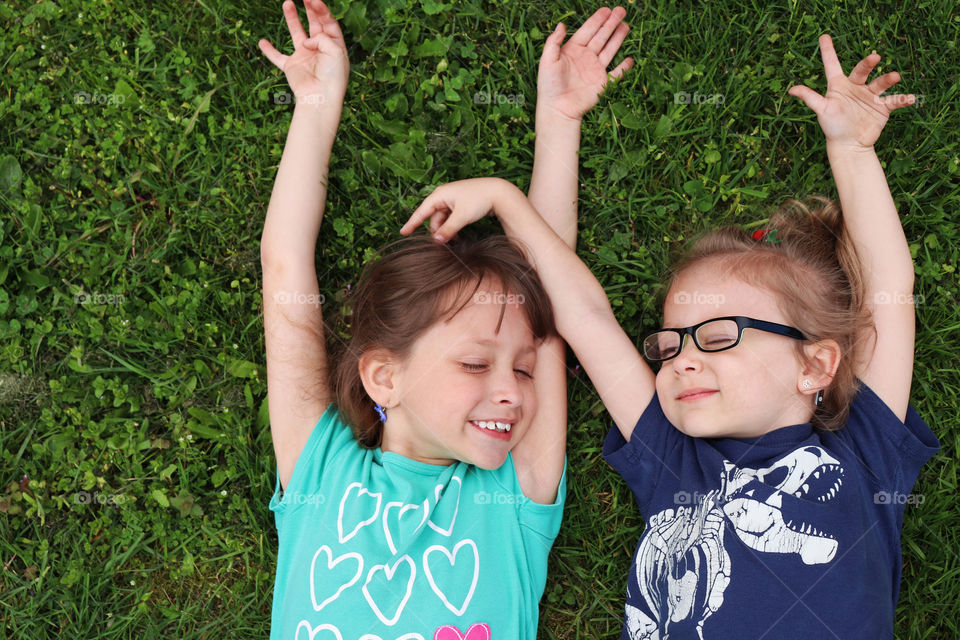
x=138 y=152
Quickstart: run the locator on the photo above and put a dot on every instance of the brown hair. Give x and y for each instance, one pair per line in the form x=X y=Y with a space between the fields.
x=810 y=265
x=415 y=283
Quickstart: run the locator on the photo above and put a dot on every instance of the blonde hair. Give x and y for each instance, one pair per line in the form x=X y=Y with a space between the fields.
x=808 y=261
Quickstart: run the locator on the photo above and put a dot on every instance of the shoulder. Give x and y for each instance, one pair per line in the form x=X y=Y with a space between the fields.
x=891 y=449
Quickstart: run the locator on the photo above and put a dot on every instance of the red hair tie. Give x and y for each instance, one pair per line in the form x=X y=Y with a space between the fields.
x=768 y=235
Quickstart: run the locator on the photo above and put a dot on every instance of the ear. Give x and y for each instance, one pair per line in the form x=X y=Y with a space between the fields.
x=823 y=358
x=378 y=372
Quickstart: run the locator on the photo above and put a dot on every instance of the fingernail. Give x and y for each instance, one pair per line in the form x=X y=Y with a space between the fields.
x=438 y=237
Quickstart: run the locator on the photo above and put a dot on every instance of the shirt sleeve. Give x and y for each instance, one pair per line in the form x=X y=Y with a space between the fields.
x=329 y=438
x=540 y=519
x=653 y=448
x=890 y=451
x=544 y=519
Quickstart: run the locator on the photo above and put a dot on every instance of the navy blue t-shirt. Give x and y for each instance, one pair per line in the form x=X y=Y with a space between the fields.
x=793 y=534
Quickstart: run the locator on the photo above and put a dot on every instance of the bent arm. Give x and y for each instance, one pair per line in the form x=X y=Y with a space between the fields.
x=539 y=456
x=583 y=314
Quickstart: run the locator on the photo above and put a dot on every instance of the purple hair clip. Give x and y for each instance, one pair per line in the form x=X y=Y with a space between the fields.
x=380 y=412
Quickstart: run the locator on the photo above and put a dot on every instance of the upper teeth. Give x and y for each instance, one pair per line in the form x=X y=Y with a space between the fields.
x=486 y=424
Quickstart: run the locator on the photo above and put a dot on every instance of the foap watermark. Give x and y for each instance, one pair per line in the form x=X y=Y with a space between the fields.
x=86 y=497
x=497 y=497
x=897 y=297
x=895 y=497
x=691 y=497
x=485 y=97
x=116 y=299
x=85 y=97
x=685 y=97
x=304 y=498
x=295 y=297
x=497 y=297
x=901 y=99
x=696 y=297
x=290 y=98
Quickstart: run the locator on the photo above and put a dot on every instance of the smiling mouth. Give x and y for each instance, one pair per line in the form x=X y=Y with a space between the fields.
x=697 y=395
x=499 y=430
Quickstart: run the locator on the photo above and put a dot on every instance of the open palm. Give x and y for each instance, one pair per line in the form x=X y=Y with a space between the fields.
x=318 y=66
x=572 y=76
x=852 y=111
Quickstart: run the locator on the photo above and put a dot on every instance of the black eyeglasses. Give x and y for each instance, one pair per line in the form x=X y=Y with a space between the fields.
x=716 y=334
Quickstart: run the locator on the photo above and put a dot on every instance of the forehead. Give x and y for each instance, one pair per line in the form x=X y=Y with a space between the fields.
x=489 y=318
x=709 y=291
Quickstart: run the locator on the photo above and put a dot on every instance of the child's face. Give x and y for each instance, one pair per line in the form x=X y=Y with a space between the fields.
x=462 y=372
x=748 y=390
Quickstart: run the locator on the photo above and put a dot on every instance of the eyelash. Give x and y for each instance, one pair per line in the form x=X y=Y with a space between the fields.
x=476 y=368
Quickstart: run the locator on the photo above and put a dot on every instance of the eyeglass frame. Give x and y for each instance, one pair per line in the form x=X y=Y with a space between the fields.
x=743 y=322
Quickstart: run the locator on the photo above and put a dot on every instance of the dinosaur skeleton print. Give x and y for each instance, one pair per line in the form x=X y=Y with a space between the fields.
x=682 y=566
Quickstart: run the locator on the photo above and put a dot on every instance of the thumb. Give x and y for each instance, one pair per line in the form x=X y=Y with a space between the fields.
x=810 y=97
x=551 y=48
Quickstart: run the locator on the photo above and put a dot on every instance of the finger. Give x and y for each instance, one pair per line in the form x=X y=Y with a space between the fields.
x=551 y=48
x=864 y=68
x=884 y=82
x=621 y=68
x=586 y=31
x=323 y=43
x=437 y=220
x=613 y=44
x=326 y=21
x=599 y=39
x=897 y=101
x=831 y=65
x=274 y=56
x=313 y=17
x=430 y=205
x=810 y=97
x=297 y=34
x=448 y=230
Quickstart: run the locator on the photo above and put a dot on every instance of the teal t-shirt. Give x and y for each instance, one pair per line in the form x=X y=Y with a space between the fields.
x=374 y=545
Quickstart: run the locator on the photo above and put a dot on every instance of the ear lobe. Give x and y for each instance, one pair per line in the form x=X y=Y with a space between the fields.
x=378 y=371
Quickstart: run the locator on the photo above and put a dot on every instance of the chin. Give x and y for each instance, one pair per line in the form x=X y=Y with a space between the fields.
x=489 y=463
x=700 y=428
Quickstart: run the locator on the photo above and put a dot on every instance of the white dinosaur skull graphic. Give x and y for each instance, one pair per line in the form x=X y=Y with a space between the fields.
x=683 y=567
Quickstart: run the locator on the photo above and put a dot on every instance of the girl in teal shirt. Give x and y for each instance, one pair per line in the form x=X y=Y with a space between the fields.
x=419 y=484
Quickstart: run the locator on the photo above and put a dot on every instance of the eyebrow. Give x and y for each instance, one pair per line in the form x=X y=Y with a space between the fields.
x=487 y=342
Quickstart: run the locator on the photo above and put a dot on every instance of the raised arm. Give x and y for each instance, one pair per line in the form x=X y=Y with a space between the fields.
x=297 y=383
x=569 y=80
x=852 y=114
x=583 y=313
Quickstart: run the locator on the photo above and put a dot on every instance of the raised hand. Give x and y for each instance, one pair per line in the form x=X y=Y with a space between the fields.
x=318 y=67
x=572 y=76
x=852 y=112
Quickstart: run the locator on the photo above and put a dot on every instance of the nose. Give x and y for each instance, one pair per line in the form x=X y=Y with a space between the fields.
x=505 y=387
x=690 y=358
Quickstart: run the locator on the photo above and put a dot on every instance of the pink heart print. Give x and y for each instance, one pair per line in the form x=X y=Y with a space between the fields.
x=477 y=631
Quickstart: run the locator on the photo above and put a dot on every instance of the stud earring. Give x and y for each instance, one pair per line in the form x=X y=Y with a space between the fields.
x=807 y=384
x=380 y=412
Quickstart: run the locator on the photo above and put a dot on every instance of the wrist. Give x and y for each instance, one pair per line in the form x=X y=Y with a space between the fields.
x=547 y=116
x=837 y=147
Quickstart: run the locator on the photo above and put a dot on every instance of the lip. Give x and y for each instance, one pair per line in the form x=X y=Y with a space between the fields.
x=495 y=434
x=697 y=393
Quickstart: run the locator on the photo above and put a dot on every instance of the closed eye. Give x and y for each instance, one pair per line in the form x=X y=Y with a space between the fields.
x=524 y=373
x=475 y=368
